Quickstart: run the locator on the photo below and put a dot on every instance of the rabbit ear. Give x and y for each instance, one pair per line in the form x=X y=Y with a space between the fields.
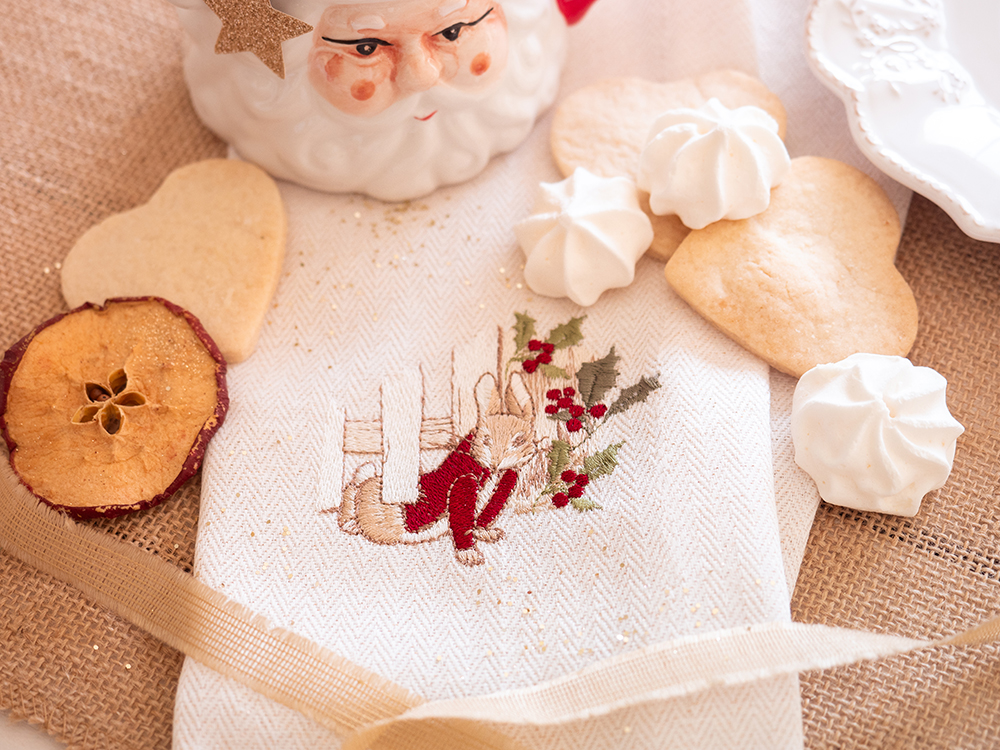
x=518 y=398
x=487 y=396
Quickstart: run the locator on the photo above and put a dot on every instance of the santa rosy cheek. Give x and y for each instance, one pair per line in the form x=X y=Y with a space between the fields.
x=362 y=90
x=480 y=64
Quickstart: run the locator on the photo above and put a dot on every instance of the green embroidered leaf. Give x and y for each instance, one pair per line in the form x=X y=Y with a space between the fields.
x=554 y=373
x=558 y=459
x=597 y=378
x=602 y=463
x=567 y=334
x=560 y=416
x=635 y=394
x=584 y=503
x=524 y=330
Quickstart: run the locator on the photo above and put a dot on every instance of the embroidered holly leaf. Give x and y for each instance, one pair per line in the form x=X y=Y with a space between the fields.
x=635 y=394
x=554 y=373
x=560 y=416
x=602 y=463
x=567 y=334
x=597 y=378
x=584 y=503
x=558 y=458
x=524 y=330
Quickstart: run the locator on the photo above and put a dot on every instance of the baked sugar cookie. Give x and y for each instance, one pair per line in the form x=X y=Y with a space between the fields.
x=810 y=280
x=211 y=239
x=603 y=128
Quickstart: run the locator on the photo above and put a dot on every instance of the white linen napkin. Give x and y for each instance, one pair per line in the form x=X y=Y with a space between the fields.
x=387 y=312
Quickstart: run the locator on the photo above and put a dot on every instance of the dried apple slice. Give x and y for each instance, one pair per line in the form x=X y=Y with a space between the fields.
x=108 y=410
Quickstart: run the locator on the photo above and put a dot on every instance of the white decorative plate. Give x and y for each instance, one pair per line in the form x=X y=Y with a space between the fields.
x=921 y=81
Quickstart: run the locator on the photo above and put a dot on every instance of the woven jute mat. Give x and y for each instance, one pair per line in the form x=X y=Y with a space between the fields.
x=93 y=116
x=936 y=573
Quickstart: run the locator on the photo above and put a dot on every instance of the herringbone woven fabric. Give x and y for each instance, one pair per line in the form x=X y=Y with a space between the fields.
x=94 y=115
x=389 y=316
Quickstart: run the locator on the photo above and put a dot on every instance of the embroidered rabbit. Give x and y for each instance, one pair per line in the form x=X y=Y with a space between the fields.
x=466 y=493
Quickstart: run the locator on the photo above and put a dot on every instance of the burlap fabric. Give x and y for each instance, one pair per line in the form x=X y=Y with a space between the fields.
x=91 y=122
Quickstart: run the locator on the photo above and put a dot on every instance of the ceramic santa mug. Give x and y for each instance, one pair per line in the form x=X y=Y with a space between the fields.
x=392 y=98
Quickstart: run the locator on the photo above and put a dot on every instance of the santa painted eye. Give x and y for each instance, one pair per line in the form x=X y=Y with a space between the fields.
x=364 y=47
x=452 y=32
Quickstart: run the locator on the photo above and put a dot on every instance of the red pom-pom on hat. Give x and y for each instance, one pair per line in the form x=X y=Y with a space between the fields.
x=573 y=10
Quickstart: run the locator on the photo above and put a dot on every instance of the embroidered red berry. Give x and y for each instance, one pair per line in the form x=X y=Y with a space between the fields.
x=560 y=499
x=574 y=425
x=545 y=358
x=551 y=409
x=565 y=403
x=576 y=410
x=548 y=348
x=569 y=392
x=568 y=476
x=553 y=395
x=530 y=366
x=598 y=410
x=534 y=345
x=582 y=480
x=575 y=491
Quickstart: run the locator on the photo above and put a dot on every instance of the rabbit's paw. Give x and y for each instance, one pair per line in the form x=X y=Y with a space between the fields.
x=488 y=535
x=470 y=557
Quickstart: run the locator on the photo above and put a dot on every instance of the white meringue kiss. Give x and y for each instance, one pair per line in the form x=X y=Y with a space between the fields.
x=584 y=237
x=712 y=163
x=874 y=432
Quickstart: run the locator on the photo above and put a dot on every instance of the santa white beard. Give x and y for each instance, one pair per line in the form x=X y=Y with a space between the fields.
x=287 y=128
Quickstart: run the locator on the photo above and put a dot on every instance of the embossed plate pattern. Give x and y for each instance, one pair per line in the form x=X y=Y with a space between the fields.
x=921 y=82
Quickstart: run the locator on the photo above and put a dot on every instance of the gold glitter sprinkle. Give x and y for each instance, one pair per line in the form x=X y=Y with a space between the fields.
x=715 y=611
x=626 y=730
x=254 y=26
x=503 y=270
x=285 y=531
x=58 y=265
x=128 y=666
x=96 y=647
x=685 y=589
x=252 y=534
x=695 y=608
x=698 y=624
x=47 y=270
x=519 y=286
x=440 y=658
x=489 y=653
x=757 y=581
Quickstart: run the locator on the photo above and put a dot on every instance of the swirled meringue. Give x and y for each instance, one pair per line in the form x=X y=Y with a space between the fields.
x=874 y=432
x=712 y=163
x=585 y=236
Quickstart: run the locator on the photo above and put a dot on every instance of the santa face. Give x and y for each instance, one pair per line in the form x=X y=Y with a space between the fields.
x=392 y=98
x=367 y=57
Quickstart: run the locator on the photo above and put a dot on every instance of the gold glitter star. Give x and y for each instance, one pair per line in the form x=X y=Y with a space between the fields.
x=254 y=26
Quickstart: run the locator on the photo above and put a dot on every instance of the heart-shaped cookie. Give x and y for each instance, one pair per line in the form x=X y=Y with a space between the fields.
x=810 y=280
x=211 y=239
x=603 y=128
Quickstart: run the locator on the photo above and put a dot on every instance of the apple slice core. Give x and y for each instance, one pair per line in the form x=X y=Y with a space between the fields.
x=108 y=409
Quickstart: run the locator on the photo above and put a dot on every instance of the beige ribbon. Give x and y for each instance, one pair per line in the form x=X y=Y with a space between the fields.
x=370 y=711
